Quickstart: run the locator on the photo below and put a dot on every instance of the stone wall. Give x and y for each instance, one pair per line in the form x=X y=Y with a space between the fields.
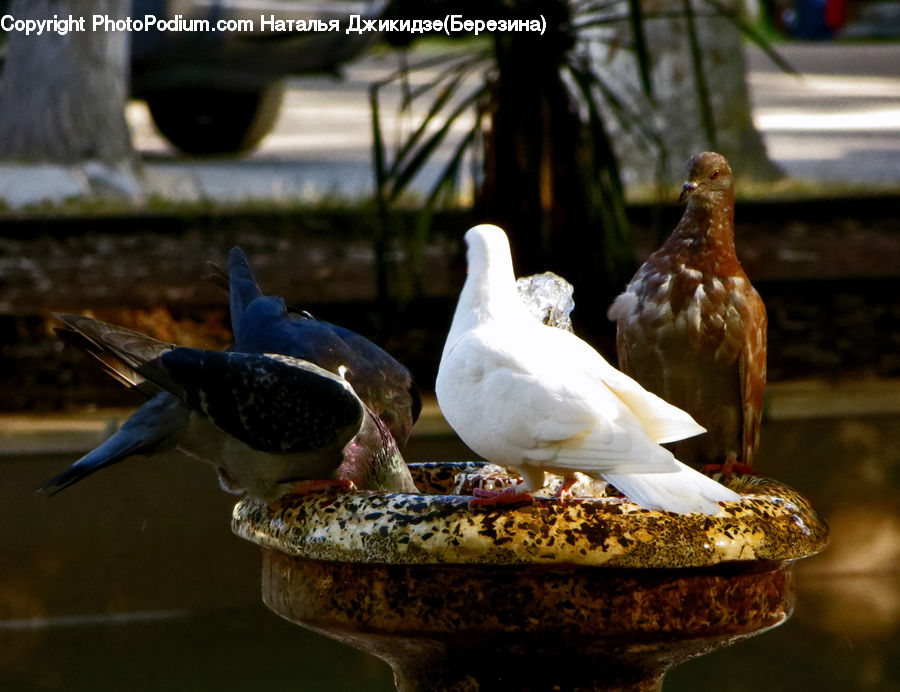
x=828 y=272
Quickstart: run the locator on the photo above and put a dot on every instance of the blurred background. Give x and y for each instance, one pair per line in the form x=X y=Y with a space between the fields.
x=348 y=166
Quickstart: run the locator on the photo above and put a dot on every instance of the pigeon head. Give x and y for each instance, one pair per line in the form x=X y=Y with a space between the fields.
x=490 y=287
x=488 y=254
x=709 y=182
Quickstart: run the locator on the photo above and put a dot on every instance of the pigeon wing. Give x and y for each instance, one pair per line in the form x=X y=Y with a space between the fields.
x=752 y=371
x=271 y=403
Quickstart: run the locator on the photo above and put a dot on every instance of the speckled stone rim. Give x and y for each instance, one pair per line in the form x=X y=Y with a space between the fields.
x=771 y=522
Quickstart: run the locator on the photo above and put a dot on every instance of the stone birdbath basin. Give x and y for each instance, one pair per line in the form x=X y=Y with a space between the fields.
x=593 y=595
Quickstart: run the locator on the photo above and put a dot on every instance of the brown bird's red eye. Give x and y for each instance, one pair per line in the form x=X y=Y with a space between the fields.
x=715 y=174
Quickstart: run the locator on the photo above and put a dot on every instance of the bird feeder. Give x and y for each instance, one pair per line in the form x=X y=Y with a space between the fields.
x=594 y=595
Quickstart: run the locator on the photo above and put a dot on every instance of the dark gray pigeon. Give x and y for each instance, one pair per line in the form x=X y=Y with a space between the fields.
x=262 y=324
x=267 y=422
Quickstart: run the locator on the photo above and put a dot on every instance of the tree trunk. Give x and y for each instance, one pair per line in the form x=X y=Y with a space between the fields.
x=680 y=118
x=62 y=98
x=551 y=180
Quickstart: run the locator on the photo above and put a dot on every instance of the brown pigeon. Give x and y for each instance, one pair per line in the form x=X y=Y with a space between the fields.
x=691 y=328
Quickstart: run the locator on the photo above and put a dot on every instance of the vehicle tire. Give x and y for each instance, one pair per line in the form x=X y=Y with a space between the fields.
x=215 y=121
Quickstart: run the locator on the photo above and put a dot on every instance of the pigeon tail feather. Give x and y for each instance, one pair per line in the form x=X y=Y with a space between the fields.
x=154 y=427
x=112 y=365
x=131 y=347
x=684 y=491
x=242 y=287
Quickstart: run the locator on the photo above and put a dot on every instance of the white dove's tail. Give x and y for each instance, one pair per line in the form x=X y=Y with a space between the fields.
x=684 y=491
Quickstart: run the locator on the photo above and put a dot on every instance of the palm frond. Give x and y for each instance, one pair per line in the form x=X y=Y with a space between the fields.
x=641 y=52
x=411 y=165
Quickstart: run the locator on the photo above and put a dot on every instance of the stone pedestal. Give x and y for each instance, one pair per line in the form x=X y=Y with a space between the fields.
x=597 y=595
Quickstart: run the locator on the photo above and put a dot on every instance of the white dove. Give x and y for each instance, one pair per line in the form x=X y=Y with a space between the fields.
x=536 y=398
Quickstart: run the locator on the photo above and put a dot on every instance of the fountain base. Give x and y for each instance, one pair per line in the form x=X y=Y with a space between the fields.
x=598 y=595
x=459 y=627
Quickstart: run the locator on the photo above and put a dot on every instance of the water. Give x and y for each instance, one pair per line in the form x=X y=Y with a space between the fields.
x=548 y=297
x=133 y=580
x=235 y=649
x=248 y=648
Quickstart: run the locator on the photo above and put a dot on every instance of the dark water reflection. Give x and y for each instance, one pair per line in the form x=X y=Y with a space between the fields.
x=133 y=580
x=248 y=648
x=238 y=649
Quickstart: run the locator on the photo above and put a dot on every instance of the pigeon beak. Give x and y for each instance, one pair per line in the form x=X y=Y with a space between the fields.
x=687 y=189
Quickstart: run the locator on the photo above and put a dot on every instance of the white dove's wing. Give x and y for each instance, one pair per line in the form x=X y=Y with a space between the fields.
x=608 y=439
x=661 y=421
x=513 y=406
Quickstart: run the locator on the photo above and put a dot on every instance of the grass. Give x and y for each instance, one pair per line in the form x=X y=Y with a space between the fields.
x=94 y=207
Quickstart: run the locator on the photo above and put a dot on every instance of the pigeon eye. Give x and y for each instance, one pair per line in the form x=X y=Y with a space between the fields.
x=714 y=175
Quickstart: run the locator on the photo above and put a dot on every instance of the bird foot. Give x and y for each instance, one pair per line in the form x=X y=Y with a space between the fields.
x=306 y=487
x=730 y=467
x=496 y=498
